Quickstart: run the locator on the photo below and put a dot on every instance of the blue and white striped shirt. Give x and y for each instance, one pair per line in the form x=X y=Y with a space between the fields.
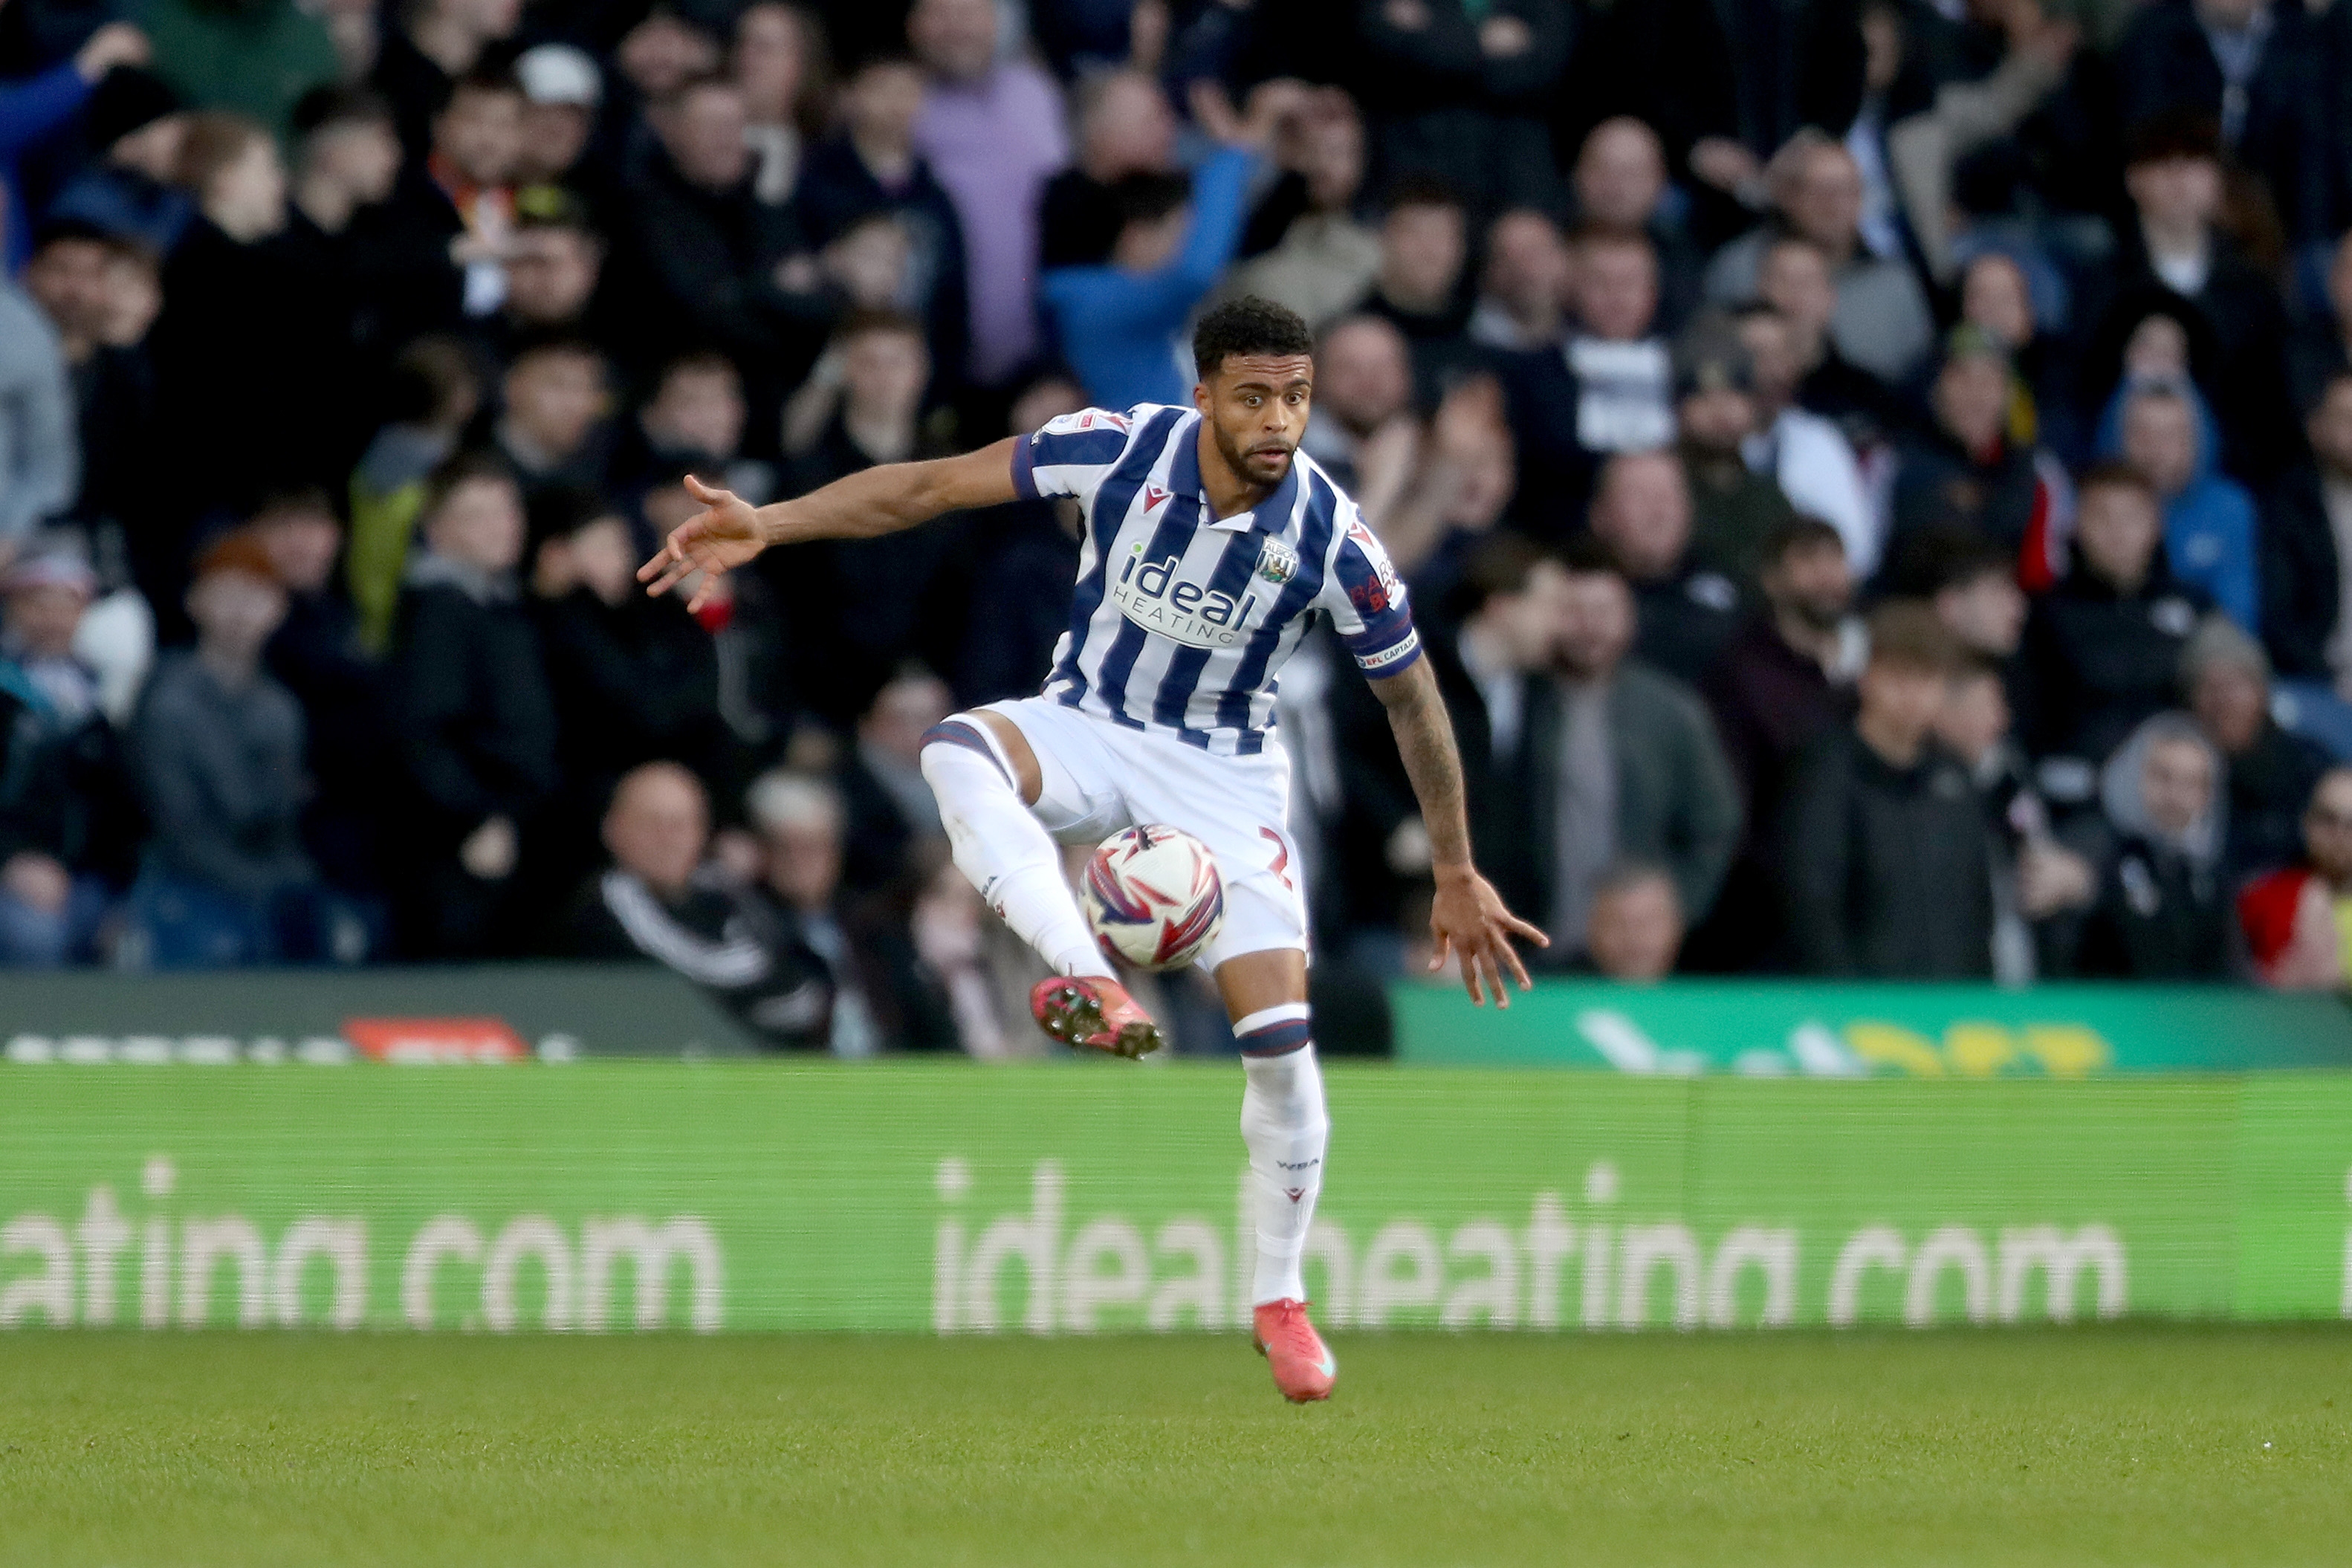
x=1182 y=619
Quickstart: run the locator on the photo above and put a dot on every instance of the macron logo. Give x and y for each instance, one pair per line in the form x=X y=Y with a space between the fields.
x=1152 y=496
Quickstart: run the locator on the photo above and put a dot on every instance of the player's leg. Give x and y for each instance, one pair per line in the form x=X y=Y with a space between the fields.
x=993 y=786
x=986 y=778
x=1285 y=1130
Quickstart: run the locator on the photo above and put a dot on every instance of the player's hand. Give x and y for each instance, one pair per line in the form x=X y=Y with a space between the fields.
x=1468 y=919
x=713 y=542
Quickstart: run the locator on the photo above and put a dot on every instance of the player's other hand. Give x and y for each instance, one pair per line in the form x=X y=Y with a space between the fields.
x=1468 y=919
x=714 y=542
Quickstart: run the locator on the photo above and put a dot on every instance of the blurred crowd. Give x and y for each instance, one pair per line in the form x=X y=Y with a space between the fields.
x=1875 y=476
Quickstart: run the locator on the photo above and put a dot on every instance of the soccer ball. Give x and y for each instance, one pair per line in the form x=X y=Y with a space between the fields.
x=1153 y=896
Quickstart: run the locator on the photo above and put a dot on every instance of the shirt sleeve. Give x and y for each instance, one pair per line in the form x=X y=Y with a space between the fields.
x=1071 y=455
x=1366 y=601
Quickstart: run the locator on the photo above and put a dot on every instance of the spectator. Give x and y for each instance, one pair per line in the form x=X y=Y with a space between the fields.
x=1684 y=612
x=1996 y=296
x=1305 y=247
x=1424 y=244
x=33 y=109
x=660 y=900
x=872 y=167
x=1624 y=371
x=554 y=262
x=1524 y=296
x=2178 y=246
x=2103 y=648
x=2038 y=883
x=1363 y=397
x=471 y=713
x=893 y=837
x=235 y=401
x=2252 y=69
x=991 y=130
x=1795 y=277
x=553 y=429
x=2306 y=568
x=2162 y=911
x=2321 y=348
x=1881 y=322
x=1620 y=183
x=70 y=816
x=1619 y=762
x=1887 y=873
x=219 y=744
x=318 y=656
x=863 y=994
x=634 y=679
x=1119 y=322
x=1966 y=474
x=1467 y=474
x=1973 y=588
x=134 y=126
x=1125 y=130
x=40 y=460
x=1782 y=682
x=2209 y=519
x=113 y=389
x=2297 y=921
x=1803 y=451
x=1733 y=509
x=2270 y=773
x=713 y=254
x=859 y=607
x=1635 y=930
x=562 y=92
x=438 y=42
x=433 y=395
x=1028 y=561
x=1463 y=90
x=780 y=63
x=695 y=419
x=438 y=248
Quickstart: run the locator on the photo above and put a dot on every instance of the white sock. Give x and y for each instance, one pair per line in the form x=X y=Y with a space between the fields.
x=1004 y=851
x=1284 y=1126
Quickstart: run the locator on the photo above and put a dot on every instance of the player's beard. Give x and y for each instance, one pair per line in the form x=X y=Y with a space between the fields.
x=1259 y=466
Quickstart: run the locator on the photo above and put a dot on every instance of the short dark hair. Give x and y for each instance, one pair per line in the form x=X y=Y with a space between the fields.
x=1801 y=532
x=1945 y=555
x=2114 y=473
x=1247 y=325
x=487 y=79
x=1500 y=564
x=1420 y=191
x=1908 y=634
x=2174 y=133
x=478 y=464
x=323 y=107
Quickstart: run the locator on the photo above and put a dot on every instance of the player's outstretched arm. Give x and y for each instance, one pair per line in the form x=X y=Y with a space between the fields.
x=1467 y=915
x=877 y=500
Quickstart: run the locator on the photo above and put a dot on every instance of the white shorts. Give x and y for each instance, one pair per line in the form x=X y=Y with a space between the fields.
x=1100 y=777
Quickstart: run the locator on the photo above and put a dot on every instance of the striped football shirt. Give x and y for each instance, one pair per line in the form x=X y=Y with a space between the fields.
x=1182 y=619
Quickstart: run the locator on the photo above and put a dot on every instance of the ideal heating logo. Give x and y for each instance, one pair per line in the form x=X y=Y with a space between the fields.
x=155 y=1265
x=1151 y=595
x=1592 y=1265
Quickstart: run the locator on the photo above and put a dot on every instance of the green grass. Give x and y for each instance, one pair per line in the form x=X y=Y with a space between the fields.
x=2119 y=1444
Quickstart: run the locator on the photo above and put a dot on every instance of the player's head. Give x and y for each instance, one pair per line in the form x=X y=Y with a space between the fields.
x=1256 y=365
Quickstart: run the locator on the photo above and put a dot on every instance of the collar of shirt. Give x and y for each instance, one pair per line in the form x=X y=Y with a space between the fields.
x=1184 y=479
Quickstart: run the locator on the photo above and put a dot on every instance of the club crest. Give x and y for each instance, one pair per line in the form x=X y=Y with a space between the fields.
x=1278 y=561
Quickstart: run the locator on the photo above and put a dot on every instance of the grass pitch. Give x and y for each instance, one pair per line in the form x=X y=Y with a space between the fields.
x=2120 y=1445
